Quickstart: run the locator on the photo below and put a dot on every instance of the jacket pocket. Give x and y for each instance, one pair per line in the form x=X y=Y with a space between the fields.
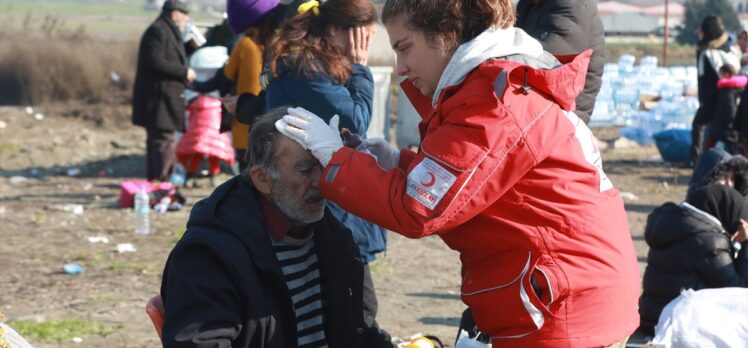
x=503 y=301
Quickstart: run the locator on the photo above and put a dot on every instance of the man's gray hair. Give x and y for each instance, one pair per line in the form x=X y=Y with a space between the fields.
x=262 y=139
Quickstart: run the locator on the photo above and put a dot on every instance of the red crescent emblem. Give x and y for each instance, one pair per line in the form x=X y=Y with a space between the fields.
x=432 y=180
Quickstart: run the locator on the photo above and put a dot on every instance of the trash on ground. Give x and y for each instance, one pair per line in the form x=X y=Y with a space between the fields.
x=125 y=248
x=76 y=209
x=77 y=339
x=73 y=172
x=98 y=239
x=39 y=116
x=29 y=110
x=73 y=268
x=17 y=179
x=3 y=125
x=87 y=187
x=628 y=196
x=114 y=77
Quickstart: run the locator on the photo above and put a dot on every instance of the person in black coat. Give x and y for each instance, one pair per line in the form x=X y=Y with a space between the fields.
x=729 y=88
x=692 y=246
x=569 y=27
x=158 y=97
x=715 y=49
x=264 y=264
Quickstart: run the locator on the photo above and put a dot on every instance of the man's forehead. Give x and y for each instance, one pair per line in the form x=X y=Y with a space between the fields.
x=289 y=151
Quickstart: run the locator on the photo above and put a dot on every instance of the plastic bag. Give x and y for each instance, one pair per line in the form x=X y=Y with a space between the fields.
x=705 y=318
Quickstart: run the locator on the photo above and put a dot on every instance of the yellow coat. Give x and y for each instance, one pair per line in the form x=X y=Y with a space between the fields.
x=244 y=67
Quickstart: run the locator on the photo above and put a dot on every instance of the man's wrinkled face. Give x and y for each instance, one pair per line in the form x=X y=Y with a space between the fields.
x=294 y=189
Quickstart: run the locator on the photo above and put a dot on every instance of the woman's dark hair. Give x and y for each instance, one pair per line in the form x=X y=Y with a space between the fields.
x=304 y=41
x=450 y=23
x=736 y=168
x=268 y=25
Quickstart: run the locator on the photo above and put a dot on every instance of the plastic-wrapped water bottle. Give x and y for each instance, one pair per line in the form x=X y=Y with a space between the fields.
x=142 y=211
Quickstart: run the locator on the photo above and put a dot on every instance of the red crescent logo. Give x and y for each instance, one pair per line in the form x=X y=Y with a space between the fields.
x=431 y=182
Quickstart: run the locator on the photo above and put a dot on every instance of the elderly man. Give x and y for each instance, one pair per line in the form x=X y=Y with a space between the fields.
x=158 y=98
x=263 y=263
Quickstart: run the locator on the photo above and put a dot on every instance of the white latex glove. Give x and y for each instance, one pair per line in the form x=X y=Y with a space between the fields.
x=312 y=133
x=387 y=156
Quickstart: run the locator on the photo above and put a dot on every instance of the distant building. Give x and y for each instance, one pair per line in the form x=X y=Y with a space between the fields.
x=639 y=20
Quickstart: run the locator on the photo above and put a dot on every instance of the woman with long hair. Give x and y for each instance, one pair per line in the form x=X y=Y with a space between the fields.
x=506 y=175
x=318 y=62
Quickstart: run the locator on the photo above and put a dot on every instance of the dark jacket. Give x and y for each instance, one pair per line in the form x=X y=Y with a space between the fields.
x=158 y=97
x=728 y=96
x=223 y=286
x=569 y=27
x=325 y=97
x=741 y=116
x=688 y=249
x=708 y=96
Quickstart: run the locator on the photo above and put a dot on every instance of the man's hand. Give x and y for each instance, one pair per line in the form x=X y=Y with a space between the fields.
x=387 y=156
x=191 y=75
x=229 y=102
x=312 y=133
x=742 y=233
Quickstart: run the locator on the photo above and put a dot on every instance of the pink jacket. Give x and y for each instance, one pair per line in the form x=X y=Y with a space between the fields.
x=202 y=135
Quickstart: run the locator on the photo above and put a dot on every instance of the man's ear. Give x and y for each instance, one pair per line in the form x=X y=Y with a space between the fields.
x=260 y=179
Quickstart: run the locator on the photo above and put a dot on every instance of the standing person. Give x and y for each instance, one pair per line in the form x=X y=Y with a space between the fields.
x=264 y=264
x=318 y=62
x=255 y=21
x=714 y=50
x=690 y=247
x=569 y=27
x=506 y=175
x=743 y=46
x=729 y=88
x=158 y=97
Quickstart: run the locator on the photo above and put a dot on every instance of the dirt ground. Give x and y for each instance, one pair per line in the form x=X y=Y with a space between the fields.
x=78 y=155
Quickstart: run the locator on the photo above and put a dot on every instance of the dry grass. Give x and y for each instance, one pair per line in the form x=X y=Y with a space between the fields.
x=54 y=65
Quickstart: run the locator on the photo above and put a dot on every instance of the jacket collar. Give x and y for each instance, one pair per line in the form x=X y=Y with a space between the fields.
x=177 y=35
x=703 y=214
x=492 y=43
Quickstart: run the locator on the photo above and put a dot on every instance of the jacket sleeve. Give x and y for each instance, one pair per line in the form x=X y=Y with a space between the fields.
x=720 y=270
x=155 y=44
x=199 y=300
x=565 y=29
x=462 y=169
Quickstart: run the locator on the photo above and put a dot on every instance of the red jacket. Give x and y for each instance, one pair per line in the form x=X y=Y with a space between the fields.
x=516 y=185
x=203 y=136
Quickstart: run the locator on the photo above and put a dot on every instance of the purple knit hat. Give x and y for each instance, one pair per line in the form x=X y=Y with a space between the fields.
x=243 y=14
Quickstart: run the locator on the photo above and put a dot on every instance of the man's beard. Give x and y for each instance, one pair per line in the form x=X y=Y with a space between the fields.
x=297 y=211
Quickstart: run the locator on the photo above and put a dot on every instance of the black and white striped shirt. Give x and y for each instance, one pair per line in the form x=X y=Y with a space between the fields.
x=298 y=260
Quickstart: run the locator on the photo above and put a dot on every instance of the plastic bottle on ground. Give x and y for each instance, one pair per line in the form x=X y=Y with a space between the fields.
x=142 y=212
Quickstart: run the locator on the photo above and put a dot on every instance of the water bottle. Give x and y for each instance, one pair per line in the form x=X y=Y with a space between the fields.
x=142 y=211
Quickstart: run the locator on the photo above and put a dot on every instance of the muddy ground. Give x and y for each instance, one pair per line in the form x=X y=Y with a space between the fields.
x=78 y=155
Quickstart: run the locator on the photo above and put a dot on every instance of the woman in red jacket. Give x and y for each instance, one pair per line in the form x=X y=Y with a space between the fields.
x=506 y=174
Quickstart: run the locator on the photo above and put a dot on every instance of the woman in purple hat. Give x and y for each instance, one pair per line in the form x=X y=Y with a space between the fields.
x=255 y=22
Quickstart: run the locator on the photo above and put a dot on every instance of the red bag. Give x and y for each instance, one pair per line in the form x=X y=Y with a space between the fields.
x=156 y=190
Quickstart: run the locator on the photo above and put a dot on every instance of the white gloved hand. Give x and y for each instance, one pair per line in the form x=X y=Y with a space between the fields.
x=312 y=133
x=387 y=156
